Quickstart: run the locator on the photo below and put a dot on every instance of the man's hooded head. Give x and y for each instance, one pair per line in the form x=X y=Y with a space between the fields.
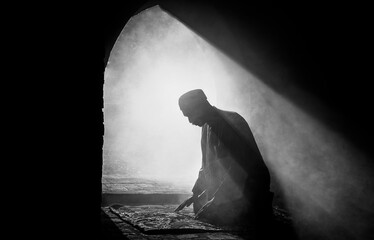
x=192 y=99
x=193 y=105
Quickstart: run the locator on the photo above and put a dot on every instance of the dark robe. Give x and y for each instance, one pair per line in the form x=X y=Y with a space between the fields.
x=233 y=172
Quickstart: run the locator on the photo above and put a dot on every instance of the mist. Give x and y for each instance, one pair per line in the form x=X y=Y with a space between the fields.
x=154 y=61
x=323 y=179
x=326 y=182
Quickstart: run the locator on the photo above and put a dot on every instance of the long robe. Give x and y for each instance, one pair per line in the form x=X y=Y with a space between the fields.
x=233 y=171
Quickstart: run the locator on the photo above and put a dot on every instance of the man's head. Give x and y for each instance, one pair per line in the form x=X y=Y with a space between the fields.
x=195 y=106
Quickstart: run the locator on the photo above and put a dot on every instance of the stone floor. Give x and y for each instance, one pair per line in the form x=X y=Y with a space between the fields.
x=115 y=228
x=139 y=192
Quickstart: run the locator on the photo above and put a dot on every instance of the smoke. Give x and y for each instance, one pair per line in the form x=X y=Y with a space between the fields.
x=326 y=182
x=154 y=61
x=322 y=177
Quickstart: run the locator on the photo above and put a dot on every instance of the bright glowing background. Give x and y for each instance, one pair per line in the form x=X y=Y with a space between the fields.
x=154 y=61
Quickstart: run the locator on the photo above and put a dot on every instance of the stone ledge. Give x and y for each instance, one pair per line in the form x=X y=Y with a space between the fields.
x=142 y=199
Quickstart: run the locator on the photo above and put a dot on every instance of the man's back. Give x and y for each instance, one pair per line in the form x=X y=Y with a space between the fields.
x=233 y=171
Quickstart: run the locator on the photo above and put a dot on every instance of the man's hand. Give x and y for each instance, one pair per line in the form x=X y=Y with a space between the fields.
x=186 y=203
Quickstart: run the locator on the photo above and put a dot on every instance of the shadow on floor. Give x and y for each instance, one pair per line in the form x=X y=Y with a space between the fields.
x=108 y=228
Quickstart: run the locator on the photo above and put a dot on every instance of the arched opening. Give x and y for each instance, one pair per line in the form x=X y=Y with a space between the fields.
x=154 y=60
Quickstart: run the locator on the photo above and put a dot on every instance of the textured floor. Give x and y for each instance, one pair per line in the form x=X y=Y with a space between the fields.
x=156 y=219
x=147 y=213
x=125 y=230
x=160 y=222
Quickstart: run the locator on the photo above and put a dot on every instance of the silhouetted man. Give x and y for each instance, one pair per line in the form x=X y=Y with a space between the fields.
x=233 y=183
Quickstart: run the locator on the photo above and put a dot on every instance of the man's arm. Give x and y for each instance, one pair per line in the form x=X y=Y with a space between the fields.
x=186 y=203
